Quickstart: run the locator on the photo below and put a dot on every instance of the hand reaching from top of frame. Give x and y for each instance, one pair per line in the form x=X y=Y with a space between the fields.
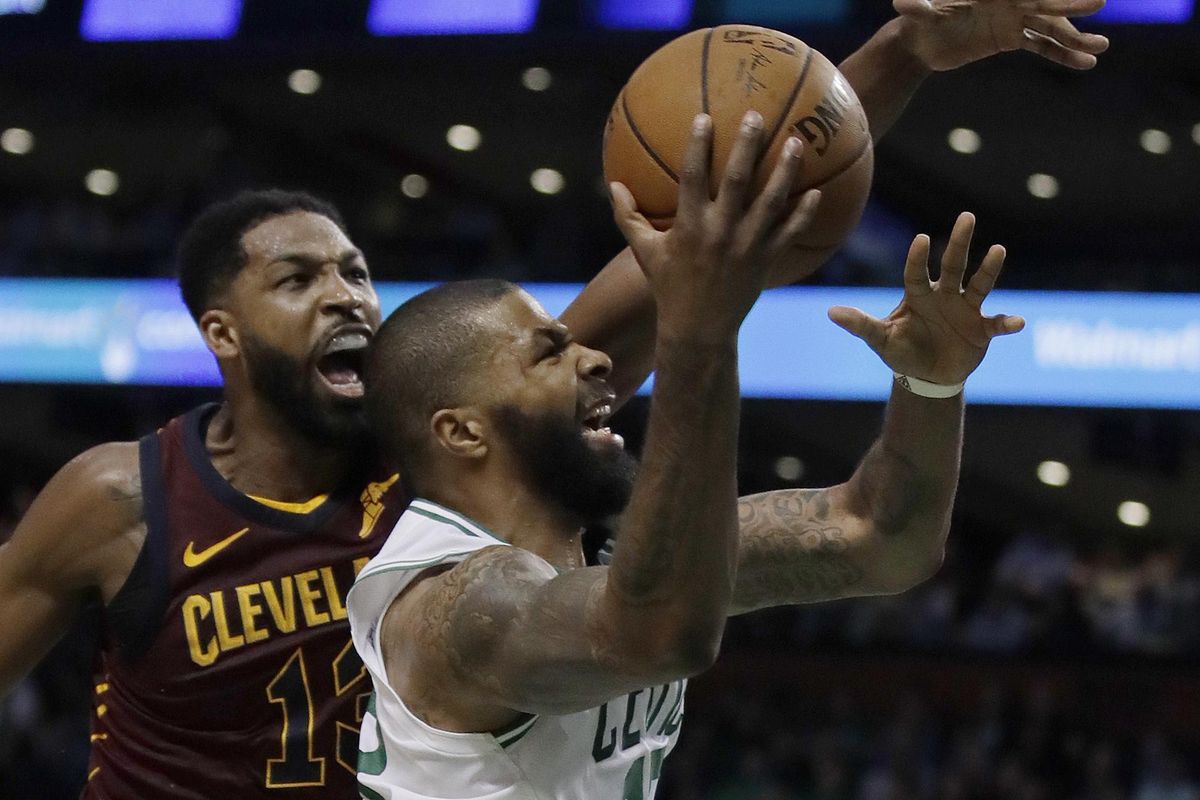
x=946 y=34
x=938 y=332
x=710 y=267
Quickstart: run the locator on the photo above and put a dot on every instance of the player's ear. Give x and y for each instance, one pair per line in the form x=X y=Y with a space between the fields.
x=220 y=333
x=460 y=431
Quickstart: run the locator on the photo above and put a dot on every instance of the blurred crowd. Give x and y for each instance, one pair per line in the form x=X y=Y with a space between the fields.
x=461 y=237
x=1041 y=594
x=771 y=746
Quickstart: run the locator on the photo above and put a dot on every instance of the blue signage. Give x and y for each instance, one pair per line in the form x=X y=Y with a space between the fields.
x=1079 y=349
x=413 y=17
x=134 y=20
x=644 y=14
x=1146 y=11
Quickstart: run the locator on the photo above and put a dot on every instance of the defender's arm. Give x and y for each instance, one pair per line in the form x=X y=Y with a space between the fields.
x=938 y=35
x=81 y=534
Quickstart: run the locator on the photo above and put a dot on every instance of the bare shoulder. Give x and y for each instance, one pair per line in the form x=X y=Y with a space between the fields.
x=464 y=611
x=86 y=526
x=105 y=481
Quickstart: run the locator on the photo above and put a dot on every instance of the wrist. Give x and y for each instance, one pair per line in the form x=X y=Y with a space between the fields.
x=923 y=388
x=901 y=37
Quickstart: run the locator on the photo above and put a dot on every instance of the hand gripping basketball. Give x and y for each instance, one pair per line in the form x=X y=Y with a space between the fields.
x=710 y=267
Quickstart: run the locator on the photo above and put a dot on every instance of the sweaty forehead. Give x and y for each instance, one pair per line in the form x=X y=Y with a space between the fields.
x=520 y=317
x=297 y=233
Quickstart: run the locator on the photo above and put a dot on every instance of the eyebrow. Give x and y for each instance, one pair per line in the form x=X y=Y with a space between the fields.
x=309 y=260
x=559 y=336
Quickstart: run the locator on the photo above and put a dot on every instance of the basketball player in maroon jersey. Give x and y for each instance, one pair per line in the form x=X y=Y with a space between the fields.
x=221 y=547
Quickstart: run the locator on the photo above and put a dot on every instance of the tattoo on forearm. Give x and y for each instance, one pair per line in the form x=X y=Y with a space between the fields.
x=791 y=551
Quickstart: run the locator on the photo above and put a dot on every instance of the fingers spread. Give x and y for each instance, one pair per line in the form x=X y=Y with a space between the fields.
x=1003 y=325
x=954 y=260
x=985 y=277
x=797 y=222
x=773 y=202
x=1061 y=8
x=1066 y=34
x=636 y=229
x=1051 y=50
x=857 y=322
x=693 y=178
x=916 y=268
x=739 y=169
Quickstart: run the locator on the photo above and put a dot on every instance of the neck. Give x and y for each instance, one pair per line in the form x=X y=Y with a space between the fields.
x=254 y=448
x=519 y=516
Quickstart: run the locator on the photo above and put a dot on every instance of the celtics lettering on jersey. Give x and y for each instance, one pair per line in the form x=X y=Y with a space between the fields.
x=612 y=752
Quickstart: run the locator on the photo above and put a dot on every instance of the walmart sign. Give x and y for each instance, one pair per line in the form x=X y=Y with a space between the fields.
x=1080 y=349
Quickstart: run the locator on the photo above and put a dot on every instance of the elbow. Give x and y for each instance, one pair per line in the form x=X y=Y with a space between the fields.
x=695 y=652
x=909 y=569
x=669 y=649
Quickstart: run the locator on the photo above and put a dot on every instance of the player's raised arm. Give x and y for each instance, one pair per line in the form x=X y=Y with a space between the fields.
x=884 y=530
x=504 y=631
x=79 y=539
x=939 y=35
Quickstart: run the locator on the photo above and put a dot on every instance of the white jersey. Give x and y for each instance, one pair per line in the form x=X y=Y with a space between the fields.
x=612 y=752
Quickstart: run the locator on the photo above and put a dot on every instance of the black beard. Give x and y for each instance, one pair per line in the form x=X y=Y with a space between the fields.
x=286 y=384
x=562 y=467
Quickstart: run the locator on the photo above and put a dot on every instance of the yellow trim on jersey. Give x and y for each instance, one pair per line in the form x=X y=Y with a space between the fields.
x=294 y=508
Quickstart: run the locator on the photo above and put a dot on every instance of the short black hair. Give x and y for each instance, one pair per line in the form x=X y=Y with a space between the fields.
x=421 y=361
x=211 y=254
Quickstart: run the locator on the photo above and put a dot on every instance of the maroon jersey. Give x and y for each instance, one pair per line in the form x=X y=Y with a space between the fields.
x=227 y=669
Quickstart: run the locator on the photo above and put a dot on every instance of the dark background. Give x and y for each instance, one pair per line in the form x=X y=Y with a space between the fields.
x=1055 y=653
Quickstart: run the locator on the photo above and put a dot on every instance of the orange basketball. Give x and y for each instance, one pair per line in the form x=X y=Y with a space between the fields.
x=725 y=72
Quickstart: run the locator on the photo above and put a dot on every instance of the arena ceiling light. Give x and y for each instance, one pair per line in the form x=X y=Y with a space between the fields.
x=789 y=468
x=16 y=141
x=1042 y=186
x=304 y=81
x=536 y=79
x=414 y=186
x=464 y=137
x=103 y=182
x=1134 y=514
x=1155 y=141
x=1054 y=473
x=965 y=141
x=547 y=181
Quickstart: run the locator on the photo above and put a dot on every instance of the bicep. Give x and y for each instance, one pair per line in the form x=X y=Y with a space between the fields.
x=517 y=635
x=59 y=553
x=34 y=614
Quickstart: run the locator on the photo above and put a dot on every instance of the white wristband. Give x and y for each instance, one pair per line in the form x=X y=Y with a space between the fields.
x=938 y=391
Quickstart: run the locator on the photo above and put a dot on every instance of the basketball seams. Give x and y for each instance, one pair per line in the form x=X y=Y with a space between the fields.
x=787 y=108
x=637 y=134
x=862 y=152
x=704 y=70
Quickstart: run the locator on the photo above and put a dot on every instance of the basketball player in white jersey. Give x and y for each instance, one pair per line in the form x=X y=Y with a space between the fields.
x=506 y=668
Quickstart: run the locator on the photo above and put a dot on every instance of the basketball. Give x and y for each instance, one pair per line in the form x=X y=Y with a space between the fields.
x=726 y=71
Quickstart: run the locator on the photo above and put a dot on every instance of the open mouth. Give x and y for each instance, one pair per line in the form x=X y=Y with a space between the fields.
x=595 y=428
x=341 y=367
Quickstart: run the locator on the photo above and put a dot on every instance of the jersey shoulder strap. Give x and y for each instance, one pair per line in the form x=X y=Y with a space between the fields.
x=427 y=535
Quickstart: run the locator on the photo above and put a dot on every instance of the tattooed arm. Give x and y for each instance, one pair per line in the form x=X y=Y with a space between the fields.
x=884 y=530
x=881 y=532
x=81 y=536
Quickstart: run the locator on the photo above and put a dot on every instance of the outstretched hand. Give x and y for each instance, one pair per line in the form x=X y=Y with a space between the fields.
x=709 y=268
x=946 y=34
x=938 y=332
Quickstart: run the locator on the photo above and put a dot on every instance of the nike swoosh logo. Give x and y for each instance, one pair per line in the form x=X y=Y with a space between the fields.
x=193 y=559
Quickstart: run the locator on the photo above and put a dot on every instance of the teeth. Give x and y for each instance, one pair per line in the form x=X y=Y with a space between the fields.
x=347 y=341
